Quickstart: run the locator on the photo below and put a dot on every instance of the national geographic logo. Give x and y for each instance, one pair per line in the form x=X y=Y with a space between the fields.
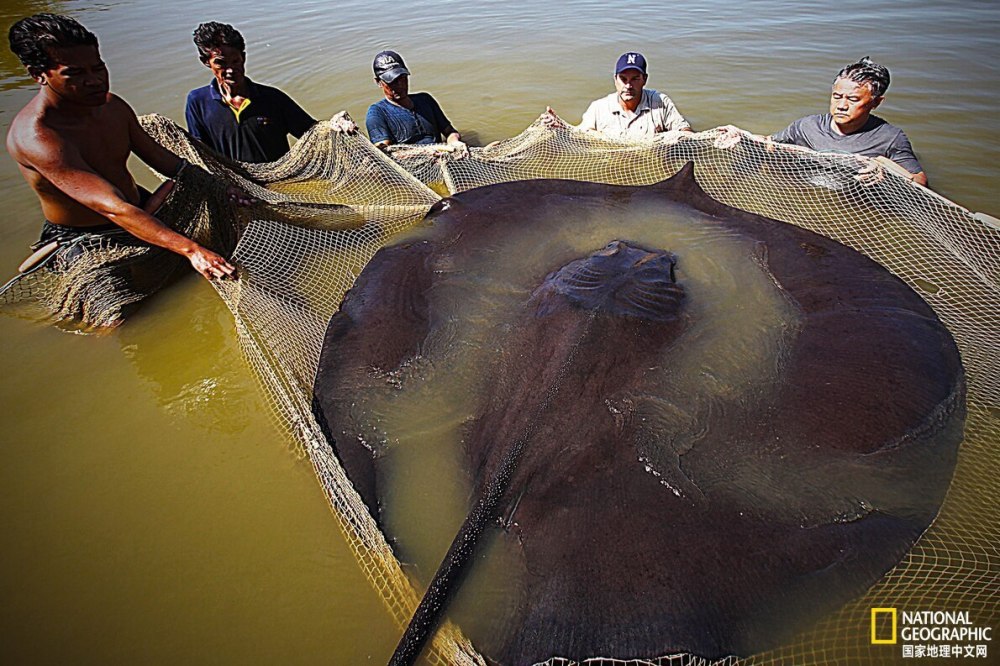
x=930 y=634
x=883 y=626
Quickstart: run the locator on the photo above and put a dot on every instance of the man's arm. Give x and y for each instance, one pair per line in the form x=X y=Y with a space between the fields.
x=451 y=135
x=62 y=165
x=299 y=122
x=195 y=123
x=672 y=118
x=378 y=128
x=148 y=150
x=790 y=134
x=901 y=152
x=164 y=161
x=589 y=121
x=444 y=125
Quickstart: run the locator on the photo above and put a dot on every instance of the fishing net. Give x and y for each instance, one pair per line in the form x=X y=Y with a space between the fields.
x=331 y=203
x=94 y=280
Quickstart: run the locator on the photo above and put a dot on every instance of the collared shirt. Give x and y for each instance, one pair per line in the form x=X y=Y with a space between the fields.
x=877 y=138
x=425 y=123
x=655 y=113
x=257 y=132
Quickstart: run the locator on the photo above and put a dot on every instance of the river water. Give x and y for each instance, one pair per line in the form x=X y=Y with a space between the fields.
x=150 y=512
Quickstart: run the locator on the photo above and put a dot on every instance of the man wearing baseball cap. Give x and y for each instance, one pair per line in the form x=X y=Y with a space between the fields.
x=401 y=117
x=633 y=111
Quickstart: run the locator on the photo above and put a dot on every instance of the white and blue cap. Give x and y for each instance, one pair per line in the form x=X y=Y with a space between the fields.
x=389 y=66
x=630 y=60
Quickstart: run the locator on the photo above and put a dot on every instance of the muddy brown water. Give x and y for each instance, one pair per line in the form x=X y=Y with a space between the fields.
x=149 y=510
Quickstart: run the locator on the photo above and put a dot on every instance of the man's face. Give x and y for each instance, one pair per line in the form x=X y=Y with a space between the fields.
x=629 y=84
x=78 y=76
x=850 y=105
x=398 y=89
x=227 y=65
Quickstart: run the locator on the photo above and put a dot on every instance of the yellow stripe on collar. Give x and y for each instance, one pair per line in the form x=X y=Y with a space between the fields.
x=244 y=105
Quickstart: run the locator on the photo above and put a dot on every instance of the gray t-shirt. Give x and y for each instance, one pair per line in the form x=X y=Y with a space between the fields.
x=876 y=138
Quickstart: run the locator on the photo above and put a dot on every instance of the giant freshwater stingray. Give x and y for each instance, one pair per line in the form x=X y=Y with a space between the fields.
x=696 y=435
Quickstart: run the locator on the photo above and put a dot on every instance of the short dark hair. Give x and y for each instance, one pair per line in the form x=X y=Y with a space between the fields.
x=32 y=38
x=866 y=71
x=212 y=35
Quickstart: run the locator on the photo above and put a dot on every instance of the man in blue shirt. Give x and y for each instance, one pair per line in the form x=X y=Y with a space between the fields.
x=243 y=120
x=401 y=117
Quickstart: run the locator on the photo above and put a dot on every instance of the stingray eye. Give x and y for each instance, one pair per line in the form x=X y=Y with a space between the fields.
x=611 y=249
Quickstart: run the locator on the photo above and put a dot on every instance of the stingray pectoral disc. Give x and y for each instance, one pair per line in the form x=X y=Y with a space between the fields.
x=712 y=428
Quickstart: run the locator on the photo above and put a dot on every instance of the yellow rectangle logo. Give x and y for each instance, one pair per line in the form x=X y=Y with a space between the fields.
x=881 y=617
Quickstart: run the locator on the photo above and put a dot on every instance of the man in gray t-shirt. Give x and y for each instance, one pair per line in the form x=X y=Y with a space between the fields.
x=849 y=126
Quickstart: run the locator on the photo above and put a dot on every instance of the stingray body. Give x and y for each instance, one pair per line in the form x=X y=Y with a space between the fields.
x=635 y=519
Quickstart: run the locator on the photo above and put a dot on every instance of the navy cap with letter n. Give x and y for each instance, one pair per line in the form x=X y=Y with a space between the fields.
x=630 y=60
x=389 y=66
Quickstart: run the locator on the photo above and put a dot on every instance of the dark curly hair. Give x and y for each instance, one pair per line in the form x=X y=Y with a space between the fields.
x=33 y=38
x=866 y=71
x=212 y=35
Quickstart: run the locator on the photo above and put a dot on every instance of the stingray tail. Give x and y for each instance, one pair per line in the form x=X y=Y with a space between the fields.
x=428 y=614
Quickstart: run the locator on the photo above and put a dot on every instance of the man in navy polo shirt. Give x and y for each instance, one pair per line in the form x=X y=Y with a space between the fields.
x=401 y=117
x=243 y=120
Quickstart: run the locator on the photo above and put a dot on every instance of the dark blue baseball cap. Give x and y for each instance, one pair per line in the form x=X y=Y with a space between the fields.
x=630 y=60
x=389 y=66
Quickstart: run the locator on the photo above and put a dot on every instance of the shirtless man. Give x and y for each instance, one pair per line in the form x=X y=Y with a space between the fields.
x=73 y=138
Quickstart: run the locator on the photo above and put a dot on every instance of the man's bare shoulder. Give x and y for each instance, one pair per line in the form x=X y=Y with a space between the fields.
x=39 y=133
x=119 y=106
x=122 y=117
x=28 y=133
x=116 y=115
